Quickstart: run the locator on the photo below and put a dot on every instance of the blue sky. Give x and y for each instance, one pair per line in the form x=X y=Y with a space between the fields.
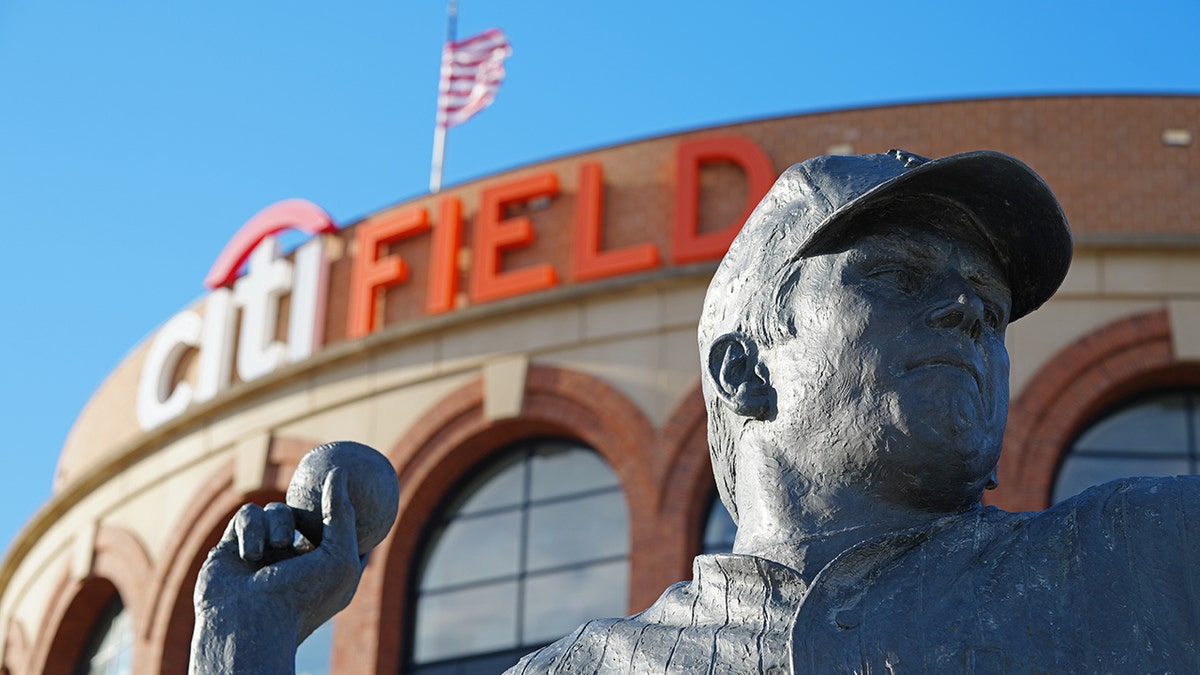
x=136 y=137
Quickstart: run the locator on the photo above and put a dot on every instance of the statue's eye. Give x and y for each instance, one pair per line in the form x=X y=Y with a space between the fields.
x=993 y=316
x=901 y=277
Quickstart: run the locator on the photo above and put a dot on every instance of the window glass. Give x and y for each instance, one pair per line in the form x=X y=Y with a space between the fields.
x=576 y=530
x=109 y=649
x=498 y=487
x=719 y=531
x=456 y=555
x=487 y=610
x=571 y=597
x=558 y=468
x=1158 y=424
x=530 y=547
x=1151 y=435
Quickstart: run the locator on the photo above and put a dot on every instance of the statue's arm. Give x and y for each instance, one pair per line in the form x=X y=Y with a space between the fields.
x=251 y=640
x=256 y=599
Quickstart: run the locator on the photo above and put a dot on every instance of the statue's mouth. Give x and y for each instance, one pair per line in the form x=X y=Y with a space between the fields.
x=952 y=360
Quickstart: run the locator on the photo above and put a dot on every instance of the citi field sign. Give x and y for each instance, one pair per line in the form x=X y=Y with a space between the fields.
x=469 y=246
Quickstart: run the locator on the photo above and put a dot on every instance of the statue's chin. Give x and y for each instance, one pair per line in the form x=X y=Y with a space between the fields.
x=949 y=423
x=941 y=464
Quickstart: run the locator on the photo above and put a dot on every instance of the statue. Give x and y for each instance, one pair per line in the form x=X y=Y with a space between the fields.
x=856 y=380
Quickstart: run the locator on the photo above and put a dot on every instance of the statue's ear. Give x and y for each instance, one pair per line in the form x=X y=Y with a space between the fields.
x=739 y=378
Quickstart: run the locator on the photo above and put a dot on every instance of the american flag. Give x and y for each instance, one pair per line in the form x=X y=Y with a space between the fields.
x=472 y=70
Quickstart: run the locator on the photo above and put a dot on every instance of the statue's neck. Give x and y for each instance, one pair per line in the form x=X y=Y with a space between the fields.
x=806 y=537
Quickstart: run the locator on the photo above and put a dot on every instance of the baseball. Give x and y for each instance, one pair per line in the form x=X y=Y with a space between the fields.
x=372 y=483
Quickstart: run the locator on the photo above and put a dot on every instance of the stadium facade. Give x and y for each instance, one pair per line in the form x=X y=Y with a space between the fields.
x=522 y=347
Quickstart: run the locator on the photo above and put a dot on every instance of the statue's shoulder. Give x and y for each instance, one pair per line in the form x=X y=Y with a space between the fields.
x=586 y=645
x=1140 y=512
x=1137 y=509
x=678 y=632
x=1137 y=493
x=607 y=645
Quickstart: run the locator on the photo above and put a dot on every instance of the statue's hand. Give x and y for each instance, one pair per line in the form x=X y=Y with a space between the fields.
x=255 y=572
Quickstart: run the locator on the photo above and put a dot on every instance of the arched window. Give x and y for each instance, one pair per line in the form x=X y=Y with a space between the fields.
x=532 y=546
x=719 y=529
x=109 y=649
x=1153 y=435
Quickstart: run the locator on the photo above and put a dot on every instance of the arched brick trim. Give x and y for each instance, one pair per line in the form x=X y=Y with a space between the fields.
x=454 y=437
x=1117 y=361
x=16 y=650
x=119 y=567
x=198 y=530
x=120 y=557
x=73 y=609
x=686 y=489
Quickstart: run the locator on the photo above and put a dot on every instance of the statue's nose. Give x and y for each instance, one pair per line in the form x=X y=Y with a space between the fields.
x=962 y=309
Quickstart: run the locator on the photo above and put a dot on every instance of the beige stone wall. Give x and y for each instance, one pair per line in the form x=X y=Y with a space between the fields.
x=1105 y=285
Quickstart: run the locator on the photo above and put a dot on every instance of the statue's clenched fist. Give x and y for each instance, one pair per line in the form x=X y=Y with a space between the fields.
x=282 y=570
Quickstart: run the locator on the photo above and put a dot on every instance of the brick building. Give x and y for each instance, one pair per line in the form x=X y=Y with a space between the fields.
x=522 y=347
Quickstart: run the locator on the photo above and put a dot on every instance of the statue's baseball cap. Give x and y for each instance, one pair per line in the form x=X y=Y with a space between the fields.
x=819 y=202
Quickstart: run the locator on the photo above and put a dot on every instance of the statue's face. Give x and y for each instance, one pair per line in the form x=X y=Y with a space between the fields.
x=898 y=376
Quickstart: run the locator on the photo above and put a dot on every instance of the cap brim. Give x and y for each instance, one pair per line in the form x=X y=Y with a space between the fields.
x=1016 y=211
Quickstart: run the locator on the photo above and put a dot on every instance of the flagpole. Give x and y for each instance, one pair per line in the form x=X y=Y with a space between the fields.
x=439 y=151
x=439 y=129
